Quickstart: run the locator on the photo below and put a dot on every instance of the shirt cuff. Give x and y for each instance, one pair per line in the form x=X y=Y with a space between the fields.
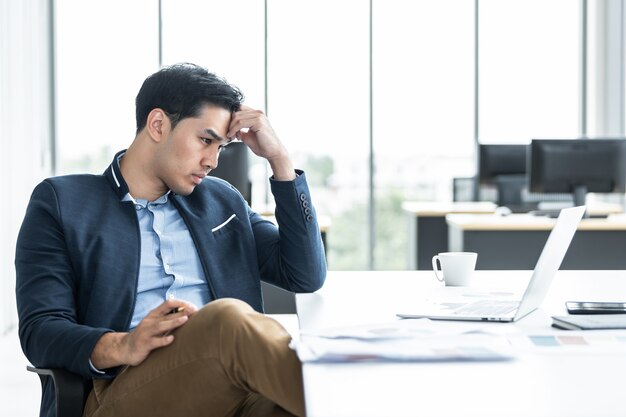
x=93 y=368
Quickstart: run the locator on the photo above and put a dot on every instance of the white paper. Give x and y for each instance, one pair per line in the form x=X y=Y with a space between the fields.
x=401 y=341
x=397 y=329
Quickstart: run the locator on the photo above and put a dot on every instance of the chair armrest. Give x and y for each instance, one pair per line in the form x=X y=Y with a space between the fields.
x=71 y=390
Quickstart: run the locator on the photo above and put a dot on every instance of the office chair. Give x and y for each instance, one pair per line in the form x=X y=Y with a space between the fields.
x=463 y=189
x=233 y=167
x=510 y=189
x=70 y=390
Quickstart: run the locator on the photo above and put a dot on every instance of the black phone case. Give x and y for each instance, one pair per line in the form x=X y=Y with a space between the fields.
x=595 y=307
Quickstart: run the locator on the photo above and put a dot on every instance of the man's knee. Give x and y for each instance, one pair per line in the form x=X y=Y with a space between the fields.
x=231 y=324
x=225 y=311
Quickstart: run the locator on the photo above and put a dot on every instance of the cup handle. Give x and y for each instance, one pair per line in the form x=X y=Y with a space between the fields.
x=435 y=259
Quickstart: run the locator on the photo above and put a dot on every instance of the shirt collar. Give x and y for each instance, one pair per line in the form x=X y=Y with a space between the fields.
x=144 y=202
x=114 y=174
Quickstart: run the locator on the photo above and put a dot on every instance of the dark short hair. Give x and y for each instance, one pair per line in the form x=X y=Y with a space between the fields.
x=181 y=90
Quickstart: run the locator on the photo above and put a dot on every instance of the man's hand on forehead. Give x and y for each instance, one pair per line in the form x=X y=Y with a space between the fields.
x=252 y=127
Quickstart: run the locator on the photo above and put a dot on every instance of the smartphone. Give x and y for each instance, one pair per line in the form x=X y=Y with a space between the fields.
x=595 y=307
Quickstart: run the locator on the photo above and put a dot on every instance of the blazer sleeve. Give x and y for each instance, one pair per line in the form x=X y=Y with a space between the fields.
x=46 y=290
x=291 y=257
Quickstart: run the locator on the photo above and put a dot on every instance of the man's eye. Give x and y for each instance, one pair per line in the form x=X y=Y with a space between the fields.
x=206 y=141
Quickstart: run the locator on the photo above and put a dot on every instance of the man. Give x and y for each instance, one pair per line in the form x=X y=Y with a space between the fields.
x=112 y=268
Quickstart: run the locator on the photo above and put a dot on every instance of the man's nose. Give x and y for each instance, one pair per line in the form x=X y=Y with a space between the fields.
x=211 y=158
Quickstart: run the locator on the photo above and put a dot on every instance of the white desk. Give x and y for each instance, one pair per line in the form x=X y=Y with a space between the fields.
x=533 y=384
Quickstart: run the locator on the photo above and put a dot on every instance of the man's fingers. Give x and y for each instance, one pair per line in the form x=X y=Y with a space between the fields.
x=173 y=323
x=154 y=330
x=246 y=119
x=165 y=324
x=173 y=306
x=166 y=307
x=160 y=329
x=161 y=341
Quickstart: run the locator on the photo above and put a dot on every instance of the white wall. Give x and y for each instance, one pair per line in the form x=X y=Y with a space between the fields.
x=26 y=126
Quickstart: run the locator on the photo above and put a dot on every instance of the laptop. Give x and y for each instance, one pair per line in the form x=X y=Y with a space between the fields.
x=507 y=310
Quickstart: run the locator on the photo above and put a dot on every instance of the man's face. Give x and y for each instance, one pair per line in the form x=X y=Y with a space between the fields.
x=191 y=149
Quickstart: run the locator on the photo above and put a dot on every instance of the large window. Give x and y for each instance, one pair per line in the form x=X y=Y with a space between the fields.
x=102 y=57
x=423 y=111
x=318 y=102
x=206 y=33
x=225 y=37
x=308 y=65
x=529 y=69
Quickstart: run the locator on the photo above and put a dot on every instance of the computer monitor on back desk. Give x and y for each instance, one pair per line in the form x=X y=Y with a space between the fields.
x=577 y=166
x=503 y=166
x=495 y=160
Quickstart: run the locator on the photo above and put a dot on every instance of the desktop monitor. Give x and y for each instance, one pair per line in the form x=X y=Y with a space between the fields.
x=233 y=167
x=503 y=165
x=495 y=160
x=577 y=166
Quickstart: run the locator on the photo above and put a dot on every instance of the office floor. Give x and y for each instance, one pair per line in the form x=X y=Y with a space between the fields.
x=20 y=391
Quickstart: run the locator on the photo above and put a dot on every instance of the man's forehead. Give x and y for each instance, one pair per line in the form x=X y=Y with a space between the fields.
x=214 y=121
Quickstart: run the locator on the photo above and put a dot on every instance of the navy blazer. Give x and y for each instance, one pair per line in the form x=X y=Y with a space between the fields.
x=78 y=254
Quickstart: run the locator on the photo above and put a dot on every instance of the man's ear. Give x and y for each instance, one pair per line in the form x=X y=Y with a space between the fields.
x=158 y=124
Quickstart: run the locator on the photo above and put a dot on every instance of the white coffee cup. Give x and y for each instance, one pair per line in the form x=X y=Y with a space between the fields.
x=456 y=267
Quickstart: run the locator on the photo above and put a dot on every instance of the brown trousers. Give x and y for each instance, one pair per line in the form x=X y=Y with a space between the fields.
x=227 y=360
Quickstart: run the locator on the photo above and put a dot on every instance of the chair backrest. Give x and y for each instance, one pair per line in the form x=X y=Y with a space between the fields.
x=510 y=189
x=71 y=390
x=463 y=189
x=233 y=167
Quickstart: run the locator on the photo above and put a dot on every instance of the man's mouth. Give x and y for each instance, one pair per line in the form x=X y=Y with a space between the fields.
x=197 y=178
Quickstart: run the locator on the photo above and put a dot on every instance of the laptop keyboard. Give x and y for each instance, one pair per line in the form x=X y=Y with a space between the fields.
x=487 y=308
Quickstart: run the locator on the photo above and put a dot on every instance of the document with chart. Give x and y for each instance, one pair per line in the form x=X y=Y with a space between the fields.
x=401 y=341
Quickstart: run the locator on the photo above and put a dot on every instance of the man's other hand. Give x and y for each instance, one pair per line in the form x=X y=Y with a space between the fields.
x=153 y=332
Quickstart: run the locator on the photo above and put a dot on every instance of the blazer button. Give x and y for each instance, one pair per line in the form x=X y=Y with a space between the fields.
x=305 y=204
x=302 y=197
x=309 y=218
x=307 y=210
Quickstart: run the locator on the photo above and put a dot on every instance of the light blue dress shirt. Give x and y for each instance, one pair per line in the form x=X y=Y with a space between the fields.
x=170 y=266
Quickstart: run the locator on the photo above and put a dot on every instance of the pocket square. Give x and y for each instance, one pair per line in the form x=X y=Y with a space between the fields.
x=216 y=228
